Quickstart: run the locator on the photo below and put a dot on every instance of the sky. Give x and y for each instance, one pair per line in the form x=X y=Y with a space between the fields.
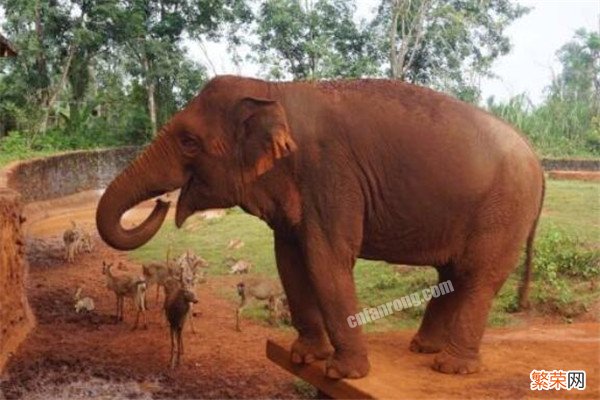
x=536 y=37
x=528 y=68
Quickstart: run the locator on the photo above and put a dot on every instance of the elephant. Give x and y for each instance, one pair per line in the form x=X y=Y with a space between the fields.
x=371 y=168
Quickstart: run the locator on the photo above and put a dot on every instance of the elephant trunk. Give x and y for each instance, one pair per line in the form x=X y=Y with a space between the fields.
x=156 y=171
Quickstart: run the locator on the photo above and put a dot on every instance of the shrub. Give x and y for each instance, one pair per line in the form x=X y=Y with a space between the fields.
x=562 y=267
x=557 y=254
x=15 y=143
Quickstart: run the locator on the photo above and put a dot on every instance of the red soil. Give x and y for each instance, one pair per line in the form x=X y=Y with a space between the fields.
x=589 y=176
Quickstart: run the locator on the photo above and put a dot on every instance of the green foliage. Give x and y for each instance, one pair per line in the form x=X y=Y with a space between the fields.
x=104 y=73
x=564 y=271
x=560 y=255
x=444 y=44
x=567 y=123
x=87 y=71
x=312 y=40
x=15 y=143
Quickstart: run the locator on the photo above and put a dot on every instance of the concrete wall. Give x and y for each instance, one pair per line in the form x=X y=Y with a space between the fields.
x=35 y=180
x=564 y=164
x=61 y=175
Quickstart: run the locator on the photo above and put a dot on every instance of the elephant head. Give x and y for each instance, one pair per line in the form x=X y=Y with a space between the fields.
x=214 y=150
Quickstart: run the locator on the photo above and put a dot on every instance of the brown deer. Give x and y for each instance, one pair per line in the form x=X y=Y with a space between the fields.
x=261 y=290
x=177 y=307
x=127 y=286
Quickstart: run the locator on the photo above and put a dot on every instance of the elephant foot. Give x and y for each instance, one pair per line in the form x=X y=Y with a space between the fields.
x=347 y=365
x=420 y=345
x=449 y=364
x=307 y=351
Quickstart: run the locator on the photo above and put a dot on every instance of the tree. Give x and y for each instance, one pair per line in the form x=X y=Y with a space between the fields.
x=152 y=31
x=573 y=97
x=104 y=72
x=580 y=75
x=40 y=29
x=567 y=122
x=312 y=40
x=444 y=44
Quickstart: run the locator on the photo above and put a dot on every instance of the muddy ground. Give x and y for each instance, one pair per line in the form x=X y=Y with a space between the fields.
x=71 y=355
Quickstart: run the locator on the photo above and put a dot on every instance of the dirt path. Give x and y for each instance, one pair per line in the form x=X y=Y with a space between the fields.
x=74 y=355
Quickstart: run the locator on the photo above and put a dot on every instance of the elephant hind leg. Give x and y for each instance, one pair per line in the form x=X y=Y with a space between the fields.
x=434 y=329
x=477 y=278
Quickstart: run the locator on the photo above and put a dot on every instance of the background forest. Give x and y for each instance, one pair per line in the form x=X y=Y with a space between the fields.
x=110 y=72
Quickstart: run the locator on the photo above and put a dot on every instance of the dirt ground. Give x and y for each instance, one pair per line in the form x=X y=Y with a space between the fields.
x=589 y=176
x=71 y=355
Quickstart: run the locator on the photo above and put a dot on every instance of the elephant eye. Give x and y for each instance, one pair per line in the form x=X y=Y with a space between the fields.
x=191 y=145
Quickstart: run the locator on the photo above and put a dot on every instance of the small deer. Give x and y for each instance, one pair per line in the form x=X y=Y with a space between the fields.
x=71 y=239
x=235 y=244
x=280 y=309
x=261 y=290
x=192 y=260
x=157 y=273
x=85 y=242
x=76 y=240
x=240 y=267
x=127 y=286
x=178 y=300
x=85 y=304
x=192 y=270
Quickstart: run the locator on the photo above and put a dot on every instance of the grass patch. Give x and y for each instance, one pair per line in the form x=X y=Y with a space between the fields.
x=566 y=263
x=574 y=207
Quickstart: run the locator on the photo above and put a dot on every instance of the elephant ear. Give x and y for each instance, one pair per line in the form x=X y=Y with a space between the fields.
x=265 y=134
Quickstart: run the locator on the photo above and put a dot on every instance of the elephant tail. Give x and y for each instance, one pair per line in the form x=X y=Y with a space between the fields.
x=524 y=287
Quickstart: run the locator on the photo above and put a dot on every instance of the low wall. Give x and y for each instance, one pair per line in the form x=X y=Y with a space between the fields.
x=65 y=174
x=36 y=180
x=564 y=164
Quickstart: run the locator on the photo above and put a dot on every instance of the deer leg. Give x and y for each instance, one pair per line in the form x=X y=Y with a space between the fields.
x=137 y=319
x=190 y=317
x=117 y=311
x=122 y=308
x=180 y=338
x=238 y=315
x=172 y=348
x=144 y=315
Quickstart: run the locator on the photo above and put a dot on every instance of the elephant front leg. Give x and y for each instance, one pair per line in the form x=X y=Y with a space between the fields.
x=330 y=268
x=312 y=342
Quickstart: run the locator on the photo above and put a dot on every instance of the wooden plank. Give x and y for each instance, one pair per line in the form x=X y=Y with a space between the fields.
x=509 y=355
x=314 y=374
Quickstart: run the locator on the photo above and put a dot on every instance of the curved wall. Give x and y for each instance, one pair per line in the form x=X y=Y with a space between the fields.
x=567 y=164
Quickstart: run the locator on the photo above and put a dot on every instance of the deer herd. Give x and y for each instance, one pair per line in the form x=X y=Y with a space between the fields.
x=179 y=279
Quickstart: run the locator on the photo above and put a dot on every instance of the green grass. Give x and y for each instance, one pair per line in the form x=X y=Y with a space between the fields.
x=575 y=208
x=209 y=238
x=572 y=207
